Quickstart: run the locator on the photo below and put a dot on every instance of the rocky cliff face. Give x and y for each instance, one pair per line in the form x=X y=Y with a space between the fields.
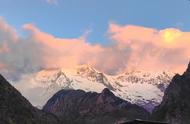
x=15 y=109
x=175 y=107
x=80 y=107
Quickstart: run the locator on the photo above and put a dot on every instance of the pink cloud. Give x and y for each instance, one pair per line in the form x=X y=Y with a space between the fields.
x=2 y=66
x=4 y=48
x=66 y=52
x=7 y=31
x=135 y=47
x=153 y=49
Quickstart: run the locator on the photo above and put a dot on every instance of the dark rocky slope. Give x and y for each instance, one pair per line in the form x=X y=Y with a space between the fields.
x=15 y=109
x=79 y=107
x=175 y=107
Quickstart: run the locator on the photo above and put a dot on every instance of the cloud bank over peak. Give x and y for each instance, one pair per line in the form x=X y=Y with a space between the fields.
x=131 y=47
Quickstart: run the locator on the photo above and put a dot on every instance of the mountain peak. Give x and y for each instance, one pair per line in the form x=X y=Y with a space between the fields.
x=90 y=107
x=106 y=91
x=175 y=106
x=4 y=83
x=85 y=68
x=106 y=96
x=188 y=68
x=87 y=78
x=1 y=78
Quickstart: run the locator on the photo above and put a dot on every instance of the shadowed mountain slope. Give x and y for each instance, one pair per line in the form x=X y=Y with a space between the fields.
x=80 y=107
x=175 y=107
x=15 y=109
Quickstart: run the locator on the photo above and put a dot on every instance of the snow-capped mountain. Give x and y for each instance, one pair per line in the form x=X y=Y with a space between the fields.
x=142 y=88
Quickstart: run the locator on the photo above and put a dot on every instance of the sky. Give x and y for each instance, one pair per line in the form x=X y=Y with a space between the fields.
x=121 y=34
x=72 y=18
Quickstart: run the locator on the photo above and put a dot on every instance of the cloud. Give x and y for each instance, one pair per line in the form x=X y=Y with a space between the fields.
x=134 y=47
x=52 y=2
x=4 y=48
x=17 y=53
x=39 y=50
x=66 y=52
x=2 y=66
x=153 y=49
x=69 y=53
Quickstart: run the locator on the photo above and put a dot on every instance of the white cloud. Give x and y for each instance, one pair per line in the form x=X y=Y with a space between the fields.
x=54 y=2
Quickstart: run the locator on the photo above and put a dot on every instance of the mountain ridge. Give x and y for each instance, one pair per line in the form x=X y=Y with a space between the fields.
x=80 y=107
x=175 y=107
x=133 y=86
x=15 y=109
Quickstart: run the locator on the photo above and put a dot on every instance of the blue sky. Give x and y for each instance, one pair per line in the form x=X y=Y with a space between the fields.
x=71 y=18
